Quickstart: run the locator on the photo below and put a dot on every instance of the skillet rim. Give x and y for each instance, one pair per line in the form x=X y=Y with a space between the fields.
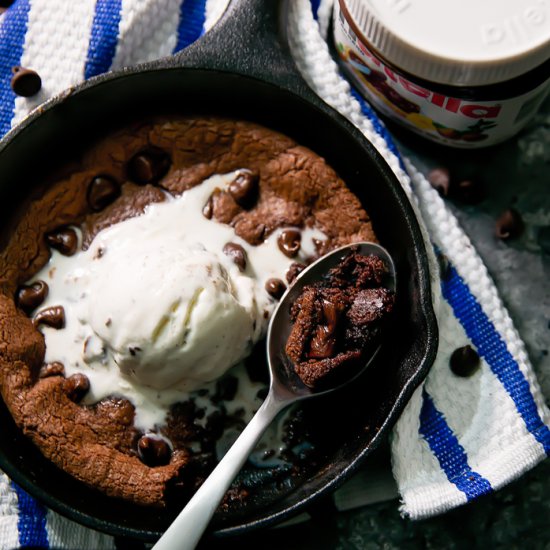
x=423 y=286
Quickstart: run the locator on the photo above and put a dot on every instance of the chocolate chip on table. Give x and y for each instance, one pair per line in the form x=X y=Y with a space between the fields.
x=153 y=450
x=76 y=387
x=148 y=166
x=52 y=369
x=64 y=239
x=102 y=191
x=289 y=242
x=25 y=82
x=237 y=253
x=51 y=316
x=244 y=188
x=440 y=180
x=275 y=288
x=464 y=361
x=293 y=271
x=509 y=225
x=29 y=297
x=469 y=191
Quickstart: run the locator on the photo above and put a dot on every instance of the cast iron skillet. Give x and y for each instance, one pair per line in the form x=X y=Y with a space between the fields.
x=240 y=69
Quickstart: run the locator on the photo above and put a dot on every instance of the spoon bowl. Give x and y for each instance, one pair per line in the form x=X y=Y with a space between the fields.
x=284 y=381
x=285 y=388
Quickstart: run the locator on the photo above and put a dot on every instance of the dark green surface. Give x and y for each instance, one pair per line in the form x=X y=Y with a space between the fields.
x=518 y=516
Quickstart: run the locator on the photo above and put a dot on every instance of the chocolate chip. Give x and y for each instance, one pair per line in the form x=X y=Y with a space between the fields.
x=76 y=387
x=102 y=191
x=226 y=388
x=293 y=271
x=208 y=208
x=464 y=361
x=237 y=253
x=289 y=242
x=52 y=317
x=25 y=82
x=244 y=188
x=275 y=288
x=29 y=297
x=440 y=180
x=153 y=450
x=52 y=369
x=63 y=239
x=509 y=225
x=148 y=166
x=322 y=345
x=469 y=191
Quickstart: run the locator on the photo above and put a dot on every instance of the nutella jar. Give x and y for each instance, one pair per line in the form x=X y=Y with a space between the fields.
x=465 y=74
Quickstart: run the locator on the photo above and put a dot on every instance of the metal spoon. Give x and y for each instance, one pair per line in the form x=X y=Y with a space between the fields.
x=285 y=388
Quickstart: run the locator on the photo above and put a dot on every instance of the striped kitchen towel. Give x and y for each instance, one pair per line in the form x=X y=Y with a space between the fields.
x=458 y=438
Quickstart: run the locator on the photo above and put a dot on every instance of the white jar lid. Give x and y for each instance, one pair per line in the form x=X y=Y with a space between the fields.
x=464 y=43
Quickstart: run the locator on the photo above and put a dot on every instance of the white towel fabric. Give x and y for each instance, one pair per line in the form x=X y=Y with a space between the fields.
x=458 y=438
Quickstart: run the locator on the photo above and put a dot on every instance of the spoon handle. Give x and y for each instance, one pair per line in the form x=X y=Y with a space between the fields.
x=187 y=529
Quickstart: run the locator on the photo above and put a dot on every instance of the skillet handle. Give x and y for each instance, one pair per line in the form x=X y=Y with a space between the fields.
x=249 y=39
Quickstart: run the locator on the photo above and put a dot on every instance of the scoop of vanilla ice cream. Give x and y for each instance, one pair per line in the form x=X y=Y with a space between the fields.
x=154 y=308
x=176 y=317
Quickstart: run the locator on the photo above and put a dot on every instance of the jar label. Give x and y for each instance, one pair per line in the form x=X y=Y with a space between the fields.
x=445 y=119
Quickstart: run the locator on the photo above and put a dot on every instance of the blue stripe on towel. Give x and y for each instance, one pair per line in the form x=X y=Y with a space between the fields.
x=103 y=38
x=450 y=454
x=377 y=124
x=12 y=39
x=191 y=24
x=31 y=522
x=315 y=7
x=492 y=348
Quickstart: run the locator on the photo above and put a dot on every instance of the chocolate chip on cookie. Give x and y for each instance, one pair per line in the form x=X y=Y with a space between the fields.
x=102 y=191
x=51 y=316
x=76 y=387
x=64 y=239
x=29 y=297
x=237 y=253
x=275 y=288
x=153 y=450
x=244 y=188
x=148 y=166
x=289 y=242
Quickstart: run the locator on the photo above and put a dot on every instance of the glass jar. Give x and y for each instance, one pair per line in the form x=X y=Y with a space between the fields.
x=465 y=74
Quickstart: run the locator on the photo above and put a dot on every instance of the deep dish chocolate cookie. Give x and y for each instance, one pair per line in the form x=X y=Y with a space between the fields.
x=277 y=189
